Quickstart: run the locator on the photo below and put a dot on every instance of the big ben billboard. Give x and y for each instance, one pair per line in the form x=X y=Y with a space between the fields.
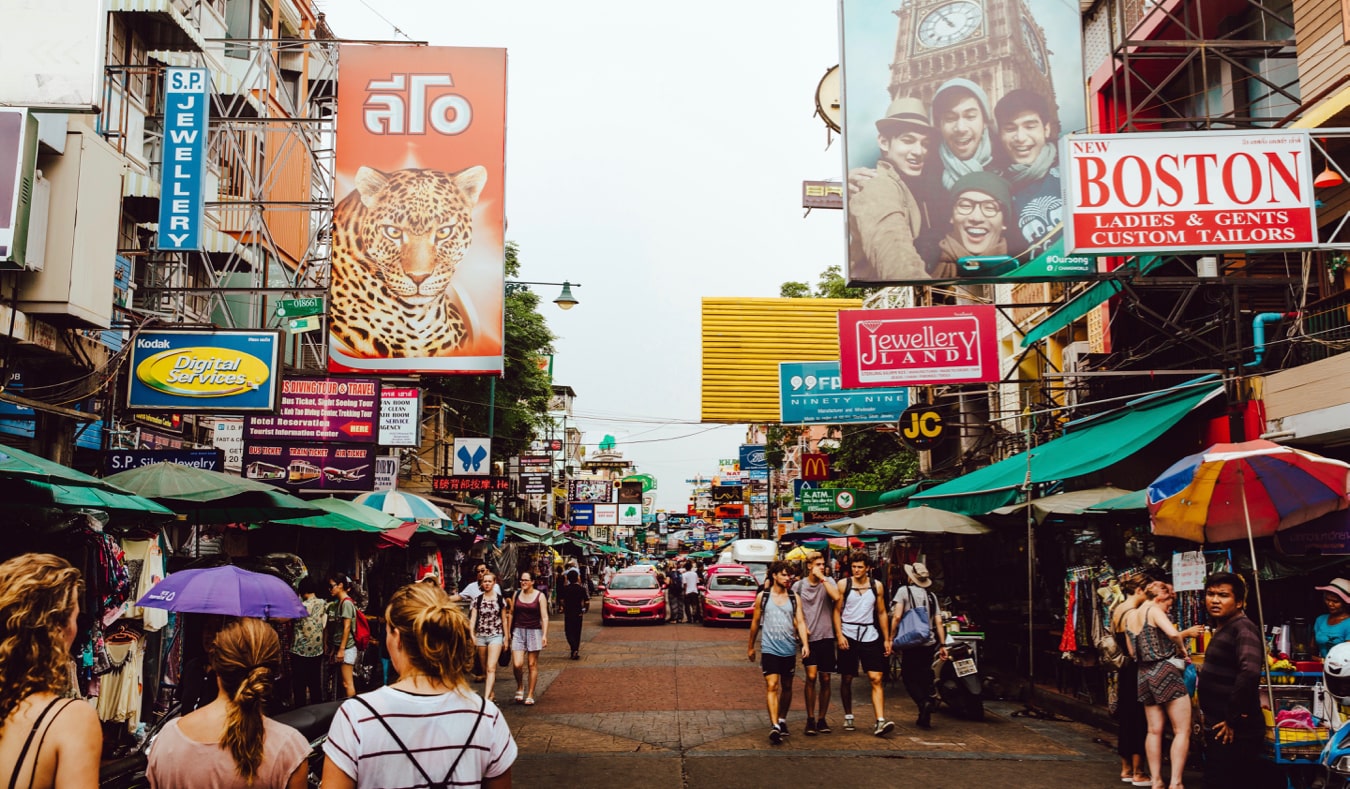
x=952 y=114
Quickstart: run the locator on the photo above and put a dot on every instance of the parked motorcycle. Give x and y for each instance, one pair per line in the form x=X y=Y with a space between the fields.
x=958 y=680
x=312 y=722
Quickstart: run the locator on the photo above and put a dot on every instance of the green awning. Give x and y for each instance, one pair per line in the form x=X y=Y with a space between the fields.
x=894 y=498
x=1098 y=442
x=1084 y=302
x=1138 y=500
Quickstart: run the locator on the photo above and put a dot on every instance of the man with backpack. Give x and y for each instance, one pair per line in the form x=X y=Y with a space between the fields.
x=863 y=625
x=818 y=594
x=781 y=630
x=916 y=661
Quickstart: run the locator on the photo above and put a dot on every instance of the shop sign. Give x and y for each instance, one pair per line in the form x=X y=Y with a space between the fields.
x=535 y=461
x=321 y=409
x=799 y=485
x=172 y=423
x=311 y=467
x=727 y=493
x=606 y=514
x=630 y=515
x=1188 y=192
x=812 y=393
x=473 y=457
x=386 y=472
x=217 y=371
x=227 y=435
x=400 y=416
x=182 y=201
x=815 y=466
x=629 y=492
x=822 y=194
x=590 y=490
x=299 y=308
x=474 y=484
x=754 y=456
x=533 y=484
x=582 y=515
x=1328 y=535
x=918 y=346
x=209 y=459
x=922 y=427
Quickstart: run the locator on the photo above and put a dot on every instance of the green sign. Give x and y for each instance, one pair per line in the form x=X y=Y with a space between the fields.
x=828 y=499
x=307 y=323
x=299 y=308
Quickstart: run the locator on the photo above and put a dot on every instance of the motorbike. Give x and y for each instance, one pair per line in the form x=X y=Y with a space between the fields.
x=958 y=681
x=312 y=722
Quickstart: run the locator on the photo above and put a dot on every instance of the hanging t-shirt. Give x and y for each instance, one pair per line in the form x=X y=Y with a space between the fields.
x=120 y=693
x=145 y=565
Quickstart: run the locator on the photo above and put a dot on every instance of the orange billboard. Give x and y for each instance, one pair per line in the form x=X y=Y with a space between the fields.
x=418 y=254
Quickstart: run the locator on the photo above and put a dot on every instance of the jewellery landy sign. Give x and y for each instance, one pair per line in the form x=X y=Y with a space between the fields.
x=918 y=346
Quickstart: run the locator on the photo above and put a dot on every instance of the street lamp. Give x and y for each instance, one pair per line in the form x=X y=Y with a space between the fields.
x=565 y=299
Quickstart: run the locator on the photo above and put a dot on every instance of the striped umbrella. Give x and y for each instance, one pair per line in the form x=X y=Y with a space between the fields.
x=404 y=506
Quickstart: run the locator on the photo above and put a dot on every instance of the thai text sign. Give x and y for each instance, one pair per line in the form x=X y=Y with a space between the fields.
x=400 y=416
x=812 y=393
x=217 y=371
x=182 y=200
x=1154 y=192
x=311 y=466
x=419 y=224
x=918 y=346
x=321 y=409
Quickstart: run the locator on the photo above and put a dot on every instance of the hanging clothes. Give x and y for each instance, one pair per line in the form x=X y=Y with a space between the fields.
x=145 y=568
x=120 y=696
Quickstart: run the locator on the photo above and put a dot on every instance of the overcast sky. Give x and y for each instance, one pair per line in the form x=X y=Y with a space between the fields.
x=655 y=154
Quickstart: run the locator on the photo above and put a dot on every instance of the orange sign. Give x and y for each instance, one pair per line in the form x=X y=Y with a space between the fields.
x=418 y=232
x=815 y=466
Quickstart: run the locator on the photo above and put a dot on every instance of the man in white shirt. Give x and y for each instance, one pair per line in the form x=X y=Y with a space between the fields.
x=692 y=610
x=471 y=591
x=864 y=638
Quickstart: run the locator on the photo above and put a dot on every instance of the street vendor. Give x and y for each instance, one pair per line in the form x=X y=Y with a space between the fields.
x=1333 y=627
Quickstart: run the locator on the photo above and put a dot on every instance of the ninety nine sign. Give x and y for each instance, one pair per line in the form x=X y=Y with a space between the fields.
x=1152 y=192
x=440 y=484
x=918 y=346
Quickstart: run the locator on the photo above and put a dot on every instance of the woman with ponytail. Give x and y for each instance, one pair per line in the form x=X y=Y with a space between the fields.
x=428 y=728
x=229 y=742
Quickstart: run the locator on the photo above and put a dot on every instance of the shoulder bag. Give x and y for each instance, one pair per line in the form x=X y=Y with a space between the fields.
x=915 y=628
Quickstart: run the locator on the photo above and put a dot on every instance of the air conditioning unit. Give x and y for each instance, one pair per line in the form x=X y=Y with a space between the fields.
x=1075 y=359
x=18 y=165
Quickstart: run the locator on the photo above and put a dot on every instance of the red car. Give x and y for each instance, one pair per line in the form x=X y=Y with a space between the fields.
x=633 y=596
x=729 y=597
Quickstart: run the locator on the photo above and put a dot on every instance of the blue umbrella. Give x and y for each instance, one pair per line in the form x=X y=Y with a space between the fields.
x=227 y=590
x=812 y=532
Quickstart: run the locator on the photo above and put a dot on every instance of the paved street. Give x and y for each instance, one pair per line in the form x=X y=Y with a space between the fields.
x=679 y=705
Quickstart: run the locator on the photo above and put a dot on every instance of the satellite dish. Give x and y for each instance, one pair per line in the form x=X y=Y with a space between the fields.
x=829 y=104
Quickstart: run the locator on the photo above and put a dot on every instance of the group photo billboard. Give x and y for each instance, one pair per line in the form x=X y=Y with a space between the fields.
x=1189 y=192
x=418 y=231
x=952 y=113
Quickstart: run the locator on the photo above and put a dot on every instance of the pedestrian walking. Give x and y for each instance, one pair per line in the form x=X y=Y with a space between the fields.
x=342 y=632
x=864 y=639
x=1131 y=725
x=428 y=728
x=817 y=593
x=39 y=604
x=1230 y=706
x=1159 y=651
x=781 y=631
x=229 y=743
x=689 y=579
x=675 y=596
x=574 y=605
x=489 y=622
x=529 y=635
x=307 y=648
x=916 y=662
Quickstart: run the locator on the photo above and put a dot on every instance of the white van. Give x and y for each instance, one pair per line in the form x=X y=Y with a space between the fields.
x=755 y=554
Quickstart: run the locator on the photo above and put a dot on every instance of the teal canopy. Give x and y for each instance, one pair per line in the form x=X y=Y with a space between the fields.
x=1084 y=302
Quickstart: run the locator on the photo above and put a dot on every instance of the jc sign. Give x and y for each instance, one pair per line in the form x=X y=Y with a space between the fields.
x=922 y=427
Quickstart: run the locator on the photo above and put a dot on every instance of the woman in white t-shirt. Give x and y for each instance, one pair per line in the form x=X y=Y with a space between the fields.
x=428 y=728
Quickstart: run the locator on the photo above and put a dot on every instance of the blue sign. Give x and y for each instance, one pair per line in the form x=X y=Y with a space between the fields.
x=583 y=514
x=217 y=371
x=811 y=393
x=799 y=485
x=19 y=420
x=753 y=456
x=182 y=193
x=209 y=459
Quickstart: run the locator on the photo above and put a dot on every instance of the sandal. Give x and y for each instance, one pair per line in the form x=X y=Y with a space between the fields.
x=519 y=697
x=529 y=701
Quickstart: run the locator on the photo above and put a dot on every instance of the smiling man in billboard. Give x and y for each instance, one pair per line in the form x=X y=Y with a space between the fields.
x=979 y=217
x=1029 y=161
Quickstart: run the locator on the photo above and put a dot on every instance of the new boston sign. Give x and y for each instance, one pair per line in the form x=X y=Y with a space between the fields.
x=813 y=393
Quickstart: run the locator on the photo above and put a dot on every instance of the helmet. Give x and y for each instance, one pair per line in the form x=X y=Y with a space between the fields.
x=1336 y=670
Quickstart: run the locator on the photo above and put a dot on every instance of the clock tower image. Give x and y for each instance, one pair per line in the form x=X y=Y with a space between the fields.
x=995 y=43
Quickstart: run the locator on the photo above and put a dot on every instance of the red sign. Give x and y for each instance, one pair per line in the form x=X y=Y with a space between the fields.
x=441 y=484
x=1153 y=192
x=730 y=511
x=918 y=346
x=815 y=466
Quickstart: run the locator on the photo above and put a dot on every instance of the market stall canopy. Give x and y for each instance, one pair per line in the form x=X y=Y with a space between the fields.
x=226 y=590
x=204 y=496
x=1138 y=500
x=125 y=504
x=1071 y=503
x=1091 y=445
x=403 y=505
x=815 y=531
x=343 y=515
x=17 y=464
x=921 y=520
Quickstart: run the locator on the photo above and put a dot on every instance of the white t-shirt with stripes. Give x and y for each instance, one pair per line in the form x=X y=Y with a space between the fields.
x=433 y=727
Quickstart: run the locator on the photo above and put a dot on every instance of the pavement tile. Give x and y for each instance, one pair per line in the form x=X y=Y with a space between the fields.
x=548 y=734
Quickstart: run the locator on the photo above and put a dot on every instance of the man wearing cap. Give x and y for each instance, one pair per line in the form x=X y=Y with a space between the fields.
x=884 y=215
x=981 y=204
x=916 y=663
x=1028 y=159
x=1333 y=627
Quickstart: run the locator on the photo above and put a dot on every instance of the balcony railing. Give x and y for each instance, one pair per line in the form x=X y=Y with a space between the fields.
x=1327 y=324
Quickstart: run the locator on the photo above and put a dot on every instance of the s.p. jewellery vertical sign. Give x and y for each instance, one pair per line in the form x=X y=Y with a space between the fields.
x=182 y=198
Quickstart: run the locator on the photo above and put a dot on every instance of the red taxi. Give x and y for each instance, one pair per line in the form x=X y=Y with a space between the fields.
x=633 y=596
x=729 y=594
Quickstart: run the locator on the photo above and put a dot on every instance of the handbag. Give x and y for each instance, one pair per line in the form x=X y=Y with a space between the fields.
x=915 y=628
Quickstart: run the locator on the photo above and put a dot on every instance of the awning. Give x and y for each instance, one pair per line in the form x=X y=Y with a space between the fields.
x=894 y=498
x=1098 y=442
x=163 y=9
x=1138 y=500
x=1084 y=302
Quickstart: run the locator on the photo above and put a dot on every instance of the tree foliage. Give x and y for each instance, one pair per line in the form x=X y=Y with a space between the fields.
x=831 y=285
x=523 y=391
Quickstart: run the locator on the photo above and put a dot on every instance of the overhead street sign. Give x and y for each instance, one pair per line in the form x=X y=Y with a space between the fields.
x=299 y=308
x=828 y=499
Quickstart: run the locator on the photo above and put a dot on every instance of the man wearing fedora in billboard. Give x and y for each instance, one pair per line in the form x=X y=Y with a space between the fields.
x=916 y=663
x=884 y=215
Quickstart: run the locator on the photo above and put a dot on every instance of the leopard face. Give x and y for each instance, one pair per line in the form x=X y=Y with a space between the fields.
x=398 y=239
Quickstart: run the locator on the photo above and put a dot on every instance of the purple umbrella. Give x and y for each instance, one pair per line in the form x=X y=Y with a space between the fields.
x=225 y=590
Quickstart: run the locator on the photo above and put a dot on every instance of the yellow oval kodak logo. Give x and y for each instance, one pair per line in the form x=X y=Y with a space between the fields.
x=203 y=372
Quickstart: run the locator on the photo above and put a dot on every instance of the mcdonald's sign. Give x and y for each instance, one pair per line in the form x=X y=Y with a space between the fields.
x=815 y=466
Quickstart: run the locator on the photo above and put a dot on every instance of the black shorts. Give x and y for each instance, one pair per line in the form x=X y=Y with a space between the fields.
x=870 y=654
x=777 y=664
x=822 y=656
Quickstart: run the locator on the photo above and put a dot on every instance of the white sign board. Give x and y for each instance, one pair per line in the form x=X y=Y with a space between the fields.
x=630 y=514
x=607 y=514
x=53 y=55
x=386 y=472
x=1188 y=571
x=473 y=457
x=400 y=416
x=228 y=435
x=1190 y=192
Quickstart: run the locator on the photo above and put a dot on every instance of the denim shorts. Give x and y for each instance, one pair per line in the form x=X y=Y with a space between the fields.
x=349 y=656
x=487 y=641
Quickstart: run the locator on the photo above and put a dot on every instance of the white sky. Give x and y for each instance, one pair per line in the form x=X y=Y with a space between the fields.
x=655 y=154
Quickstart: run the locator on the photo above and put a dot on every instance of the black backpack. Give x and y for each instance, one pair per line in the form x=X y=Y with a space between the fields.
x=764 y=602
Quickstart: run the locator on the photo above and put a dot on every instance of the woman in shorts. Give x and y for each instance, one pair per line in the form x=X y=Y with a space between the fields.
x=489 y=621
x=529 y=635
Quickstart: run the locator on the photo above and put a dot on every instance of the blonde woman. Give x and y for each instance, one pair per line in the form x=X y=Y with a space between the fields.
x=428 y=728
x=229 y=742
x=1159 y=650
x=39 y=602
